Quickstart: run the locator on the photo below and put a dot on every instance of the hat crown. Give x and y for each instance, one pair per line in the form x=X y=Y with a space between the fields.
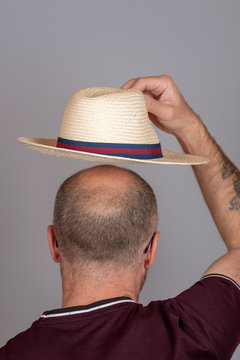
x=111 y=125
x=106 y=114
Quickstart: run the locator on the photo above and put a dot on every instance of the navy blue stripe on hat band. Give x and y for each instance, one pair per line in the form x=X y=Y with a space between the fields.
x=132 y=151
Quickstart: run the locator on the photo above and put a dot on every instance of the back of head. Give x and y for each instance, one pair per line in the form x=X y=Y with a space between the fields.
x=104 y=214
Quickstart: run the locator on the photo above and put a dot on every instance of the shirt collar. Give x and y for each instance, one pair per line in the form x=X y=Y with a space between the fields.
x=86 y=308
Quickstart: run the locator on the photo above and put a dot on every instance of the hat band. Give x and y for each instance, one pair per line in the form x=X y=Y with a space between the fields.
x=133 y=151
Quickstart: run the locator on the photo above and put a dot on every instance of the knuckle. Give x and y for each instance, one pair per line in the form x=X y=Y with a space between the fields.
x=167 y=78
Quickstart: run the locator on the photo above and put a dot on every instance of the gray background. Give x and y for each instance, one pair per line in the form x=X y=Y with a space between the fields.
x=49 y=49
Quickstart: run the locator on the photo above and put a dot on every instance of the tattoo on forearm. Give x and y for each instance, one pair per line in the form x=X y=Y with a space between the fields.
x=227 y=170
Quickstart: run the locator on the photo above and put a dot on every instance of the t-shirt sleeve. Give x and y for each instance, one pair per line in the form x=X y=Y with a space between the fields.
x=212 y=309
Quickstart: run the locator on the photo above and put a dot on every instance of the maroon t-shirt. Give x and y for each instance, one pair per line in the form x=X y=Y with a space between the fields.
x=202 y=322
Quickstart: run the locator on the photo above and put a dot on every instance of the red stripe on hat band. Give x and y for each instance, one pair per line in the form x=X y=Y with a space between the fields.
x=103 y=150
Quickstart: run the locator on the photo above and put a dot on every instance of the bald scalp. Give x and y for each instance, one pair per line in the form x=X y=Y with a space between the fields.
x=104 y=214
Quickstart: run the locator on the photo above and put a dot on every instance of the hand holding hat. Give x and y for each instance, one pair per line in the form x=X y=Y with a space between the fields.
x=110 y=125
x=166 y=106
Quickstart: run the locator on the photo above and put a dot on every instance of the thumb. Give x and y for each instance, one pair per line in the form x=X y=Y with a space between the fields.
x=155 y=107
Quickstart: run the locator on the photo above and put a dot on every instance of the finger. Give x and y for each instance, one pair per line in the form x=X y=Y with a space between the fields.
x=155 y=121
x=128 y=84
x=155 y=107
x=154 y=84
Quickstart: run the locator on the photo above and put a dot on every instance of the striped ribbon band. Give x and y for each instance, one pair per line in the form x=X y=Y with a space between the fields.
x=133 y=151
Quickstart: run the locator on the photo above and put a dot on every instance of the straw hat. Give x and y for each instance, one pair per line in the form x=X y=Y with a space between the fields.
x=110 y=125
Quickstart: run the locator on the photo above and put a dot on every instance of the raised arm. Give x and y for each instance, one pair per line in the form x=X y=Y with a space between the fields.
x=219 y=180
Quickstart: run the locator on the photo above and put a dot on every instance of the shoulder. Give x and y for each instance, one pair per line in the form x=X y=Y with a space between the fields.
x=14 y=348
x=213 y=296
x=207 y=313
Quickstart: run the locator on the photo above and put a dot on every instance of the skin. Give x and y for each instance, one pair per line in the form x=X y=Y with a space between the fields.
x=219 y=180
x=169 y=111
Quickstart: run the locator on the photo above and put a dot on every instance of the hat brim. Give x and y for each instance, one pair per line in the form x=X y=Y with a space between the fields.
x=48 y=147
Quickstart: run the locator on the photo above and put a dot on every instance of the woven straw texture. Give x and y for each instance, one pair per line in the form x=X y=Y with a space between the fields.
x=48 y=147
x=107 y=115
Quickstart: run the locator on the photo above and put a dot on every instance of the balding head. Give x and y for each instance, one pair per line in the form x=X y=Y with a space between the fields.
x=104 y=214
x=105 y=175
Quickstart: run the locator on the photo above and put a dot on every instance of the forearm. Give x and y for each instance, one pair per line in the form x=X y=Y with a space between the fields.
x=219 y=181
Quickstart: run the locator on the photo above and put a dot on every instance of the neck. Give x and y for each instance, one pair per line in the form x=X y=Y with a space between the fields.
x=83 y=290
x=88 y=296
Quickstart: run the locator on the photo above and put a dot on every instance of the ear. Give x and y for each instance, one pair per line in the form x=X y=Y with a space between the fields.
x=152 y=250
x=52 y=244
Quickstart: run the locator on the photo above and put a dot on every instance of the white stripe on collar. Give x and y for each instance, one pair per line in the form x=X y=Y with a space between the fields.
x=223 y=277
x=86 y=310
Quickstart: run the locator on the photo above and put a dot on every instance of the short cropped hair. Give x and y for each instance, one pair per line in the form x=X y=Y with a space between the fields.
x=103 y=225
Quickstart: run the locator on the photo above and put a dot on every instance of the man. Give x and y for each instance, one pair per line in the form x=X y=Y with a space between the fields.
x=104 y=236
